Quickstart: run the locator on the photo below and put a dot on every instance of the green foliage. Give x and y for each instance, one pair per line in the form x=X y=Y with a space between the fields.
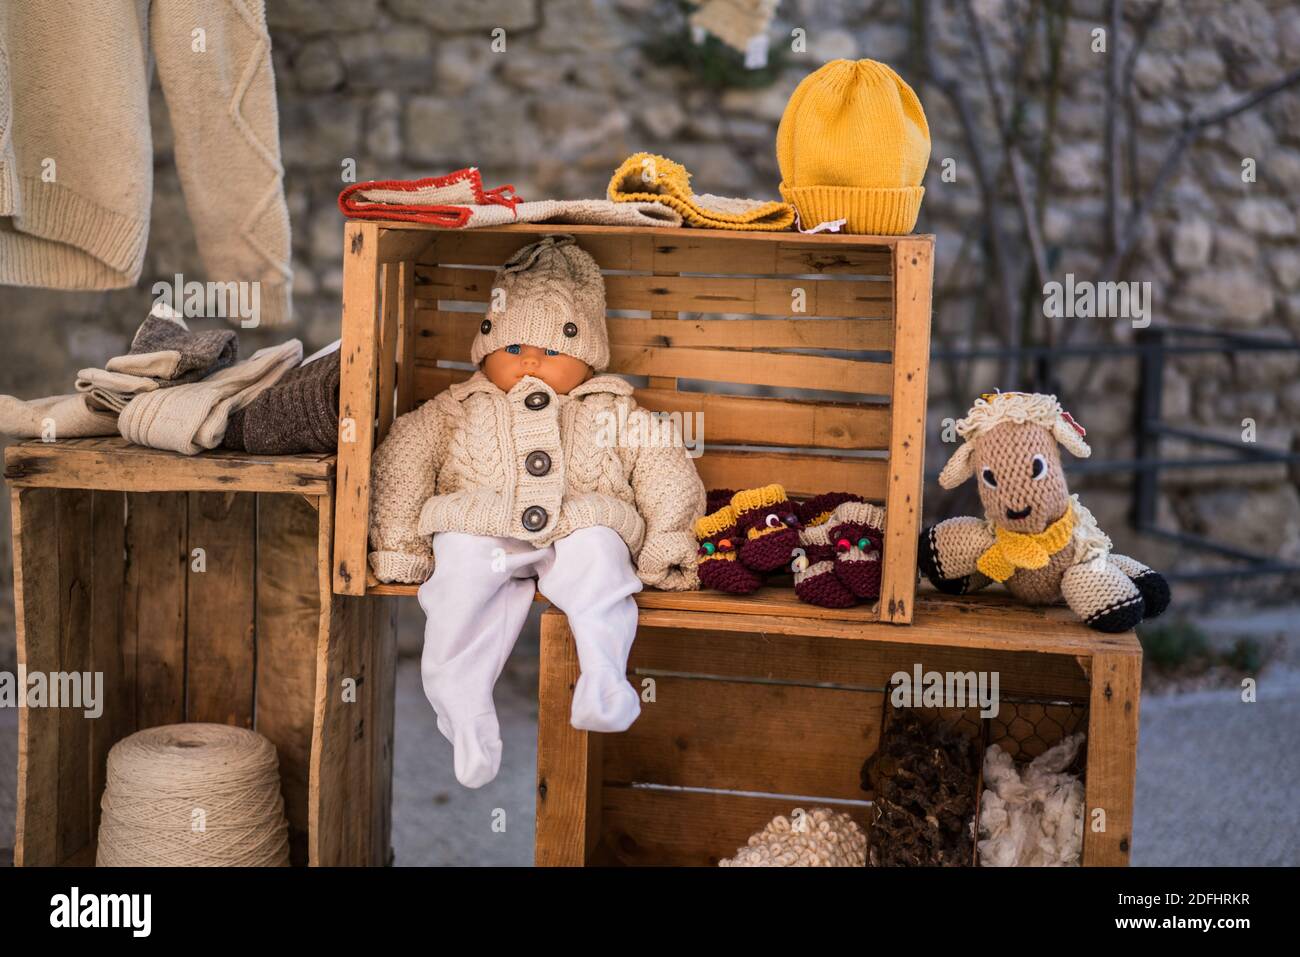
x=714 y=64
x=1180 y=646
x=1174 y=644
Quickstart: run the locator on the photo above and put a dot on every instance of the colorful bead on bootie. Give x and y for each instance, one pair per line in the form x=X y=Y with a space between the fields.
x=856 y=530
x=815 y=580
x=717 y=563
x=768 y=527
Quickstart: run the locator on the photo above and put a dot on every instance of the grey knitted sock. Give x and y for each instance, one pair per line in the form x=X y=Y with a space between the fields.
x=300 y=413
x=165 y=349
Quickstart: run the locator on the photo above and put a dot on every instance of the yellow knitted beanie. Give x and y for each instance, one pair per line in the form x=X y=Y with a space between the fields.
x=853 y=144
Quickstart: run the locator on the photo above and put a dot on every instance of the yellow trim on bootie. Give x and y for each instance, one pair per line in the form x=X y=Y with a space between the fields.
x=648 y=178
x=709 y=525
x=764 y=497
x=1017 y=550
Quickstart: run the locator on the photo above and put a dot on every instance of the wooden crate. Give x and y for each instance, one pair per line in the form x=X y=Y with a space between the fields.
x=106 y=580
x=703 y=321
x=752 y=719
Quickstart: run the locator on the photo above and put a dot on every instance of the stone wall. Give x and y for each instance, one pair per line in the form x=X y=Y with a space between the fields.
x=409 y=88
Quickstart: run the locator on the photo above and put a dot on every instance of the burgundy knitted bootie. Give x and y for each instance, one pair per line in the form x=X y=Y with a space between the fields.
x=856 y=530
x=815 y=580
x=768 y=527
x=717 y=564
x=818 y=509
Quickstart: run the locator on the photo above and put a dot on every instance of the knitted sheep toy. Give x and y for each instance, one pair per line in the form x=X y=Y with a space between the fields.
x=1036 y=538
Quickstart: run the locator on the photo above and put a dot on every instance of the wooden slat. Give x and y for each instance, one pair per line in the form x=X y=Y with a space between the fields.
x=220 y=609
x=113 y=464
x=389 y=332
x=74 y=541
x=36 y=608
x=845 y=662
x=688 y=828
x=155 y=627
x=850 y=298
x=288 y=620
x=690 y=251
x=993 y=621
x=1112 y=757
x=741 y=420
x=406 y=339
x=790 y=371
x=357 y=383
x=741 y=736
x=482 y=247
x=802 y=475
x=771 y=599
x=107 y=654
x=913 y=276
x=382 y=699
x=568 y=760
x=449 y=335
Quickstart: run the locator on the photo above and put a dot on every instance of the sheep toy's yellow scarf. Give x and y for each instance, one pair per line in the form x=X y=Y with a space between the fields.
x=1017 y=550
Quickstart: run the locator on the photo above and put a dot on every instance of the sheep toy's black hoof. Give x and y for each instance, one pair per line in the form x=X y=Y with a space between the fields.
x=927 y=559
x=1155 y=592
x=1119 y=617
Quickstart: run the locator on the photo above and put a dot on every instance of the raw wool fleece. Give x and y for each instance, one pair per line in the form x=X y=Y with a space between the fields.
x=1034 y=818
x=824 y=839
x=458 y=463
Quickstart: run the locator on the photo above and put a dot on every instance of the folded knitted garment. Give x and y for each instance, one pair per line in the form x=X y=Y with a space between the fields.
x=164 y=353
x=300 y=413
x=55 y=417
x=459 y=201
x=190 y=418
x=164 y=348
x=645 y=177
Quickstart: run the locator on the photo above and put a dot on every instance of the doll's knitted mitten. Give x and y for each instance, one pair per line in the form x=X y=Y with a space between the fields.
x=718 y=568
x=856 y=530
x=815 y=580
x=768 y=527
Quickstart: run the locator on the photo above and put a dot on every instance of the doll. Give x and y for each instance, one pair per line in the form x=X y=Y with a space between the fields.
x=508 y=483
x=1036 y=538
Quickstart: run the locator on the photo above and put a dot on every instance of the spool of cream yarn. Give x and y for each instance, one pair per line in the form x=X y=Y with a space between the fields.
x=193 y=795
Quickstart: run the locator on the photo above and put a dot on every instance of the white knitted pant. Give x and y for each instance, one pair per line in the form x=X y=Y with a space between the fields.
x=475 y=604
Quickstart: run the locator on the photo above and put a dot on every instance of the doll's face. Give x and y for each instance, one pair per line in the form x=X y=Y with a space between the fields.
x=1018 y=470
x=507 y=366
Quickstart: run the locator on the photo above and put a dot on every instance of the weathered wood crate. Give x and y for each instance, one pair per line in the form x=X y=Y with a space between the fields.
x=703 y=321
x=754 y=717
x=200 y=589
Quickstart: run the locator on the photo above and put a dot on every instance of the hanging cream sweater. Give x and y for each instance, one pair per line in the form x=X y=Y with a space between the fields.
x=76 y=155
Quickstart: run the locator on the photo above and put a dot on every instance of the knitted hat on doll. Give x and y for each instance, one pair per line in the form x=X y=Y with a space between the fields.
x=549 y=294
x=853 y=144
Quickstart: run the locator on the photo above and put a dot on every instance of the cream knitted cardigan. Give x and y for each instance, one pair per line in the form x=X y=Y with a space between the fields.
x=76 y=155
x=459 y=463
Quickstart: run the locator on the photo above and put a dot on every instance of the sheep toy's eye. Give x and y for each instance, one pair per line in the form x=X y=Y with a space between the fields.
x=1038 y=471
x=989 y=478
x=773 y=520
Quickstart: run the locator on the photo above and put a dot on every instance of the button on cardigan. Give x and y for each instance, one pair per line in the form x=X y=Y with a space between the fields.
x=76 y=153
x=466 y=461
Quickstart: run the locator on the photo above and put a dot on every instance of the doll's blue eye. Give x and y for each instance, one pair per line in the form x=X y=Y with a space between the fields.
x=551 y=352
x=513 y=350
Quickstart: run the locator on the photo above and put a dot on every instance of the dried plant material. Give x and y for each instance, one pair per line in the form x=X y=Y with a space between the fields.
x=924 y=780
x=816 y=838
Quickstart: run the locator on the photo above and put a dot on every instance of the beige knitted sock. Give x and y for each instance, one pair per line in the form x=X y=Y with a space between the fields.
x=55 y=417
x=191 y=418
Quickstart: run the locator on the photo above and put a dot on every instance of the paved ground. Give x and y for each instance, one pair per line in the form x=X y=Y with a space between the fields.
x=1217 y=778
